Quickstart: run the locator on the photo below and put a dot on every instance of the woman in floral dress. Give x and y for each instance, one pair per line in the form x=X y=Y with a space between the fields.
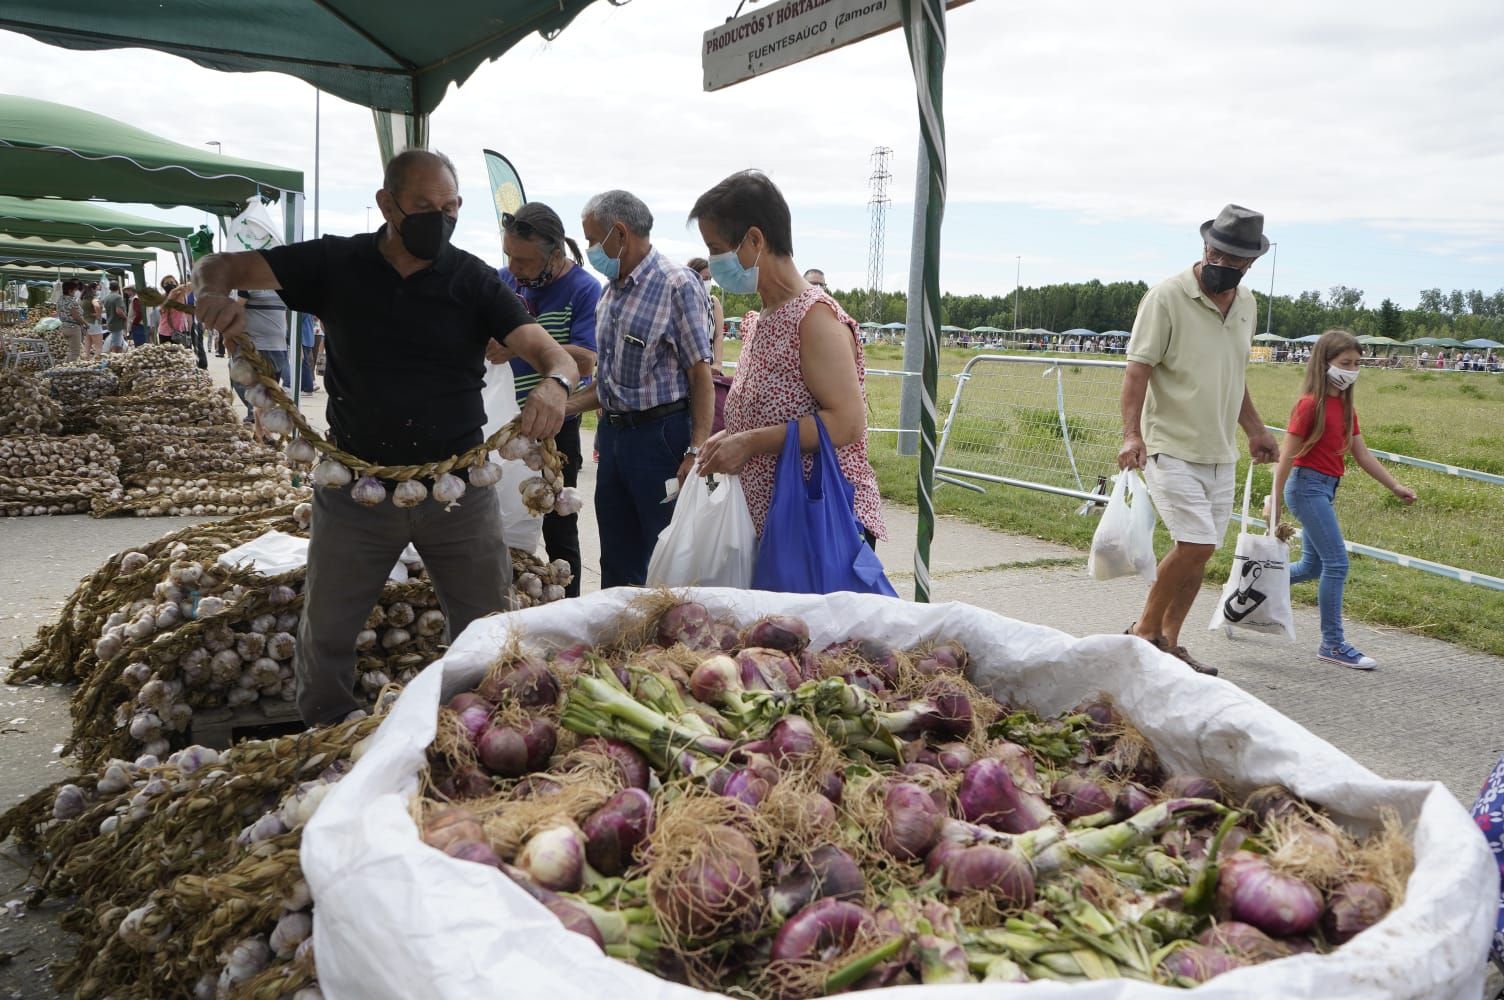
x=804 y=357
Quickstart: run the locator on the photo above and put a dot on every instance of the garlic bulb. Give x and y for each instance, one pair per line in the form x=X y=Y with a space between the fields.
x=209 y=606
x=400 y=614
x=534 y=459
x=302 y=452
x=484 y=474
x=303 y=514
x=552 y=593
x=290 y=932
x=537 y=495
x=368 y=491
x=133 y=562
x=242 y=372
x=409 y=493
x=259 y=397
x=365 y=640
x=515 y=448
x=69 y=803
x=448 y=489
x=276 y=421
x=430 y=623
x=395 y=637
x=330 y=473
x=569 y=502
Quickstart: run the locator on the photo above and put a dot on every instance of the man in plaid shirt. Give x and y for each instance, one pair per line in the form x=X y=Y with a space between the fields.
x=653 y=383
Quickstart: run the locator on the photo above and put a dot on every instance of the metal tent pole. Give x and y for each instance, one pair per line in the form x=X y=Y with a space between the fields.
x=293 y=216
x=924 y=28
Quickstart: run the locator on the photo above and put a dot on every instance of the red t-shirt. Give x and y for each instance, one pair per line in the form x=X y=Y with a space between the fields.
x=1326 y=456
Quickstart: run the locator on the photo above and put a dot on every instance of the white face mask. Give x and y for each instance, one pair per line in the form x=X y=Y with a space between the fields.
x=708 y=284
x=1341 y=378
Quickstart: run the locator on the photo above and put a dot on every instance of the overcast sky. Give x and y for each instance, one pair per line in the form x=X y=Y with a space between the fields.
x=1089 y=139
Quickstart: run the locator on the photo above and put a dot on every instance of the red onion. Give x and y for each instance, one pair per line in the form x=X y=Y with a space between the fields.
x=1073 y=796
x=953 y=758
x=630 y=763
x=878 y=654
x=687 y=623
x=1102 y=713
x=987 y=867
x=1198 y=963
x=865 y=679
x=494 y=687
x=1352 y=908
x=1020 y=765
x=575 y=919
x=468 y=699
x=1270 y=802
x=473 y=850
x=988 y=795
x=614 y=831
x=571 y=656
x=1281 y=905
x=724 y=637
x=767 y=670
x=948 y=657
x=746 y=785
x=820 y=932
x=833 y=786
x=911 y=821
x=475 y=719
x=555 y=858
x=466 y=783
x=1191 y=786
x=711 y=891
x=828 y=872
x=511 y=753
x=1245 y=941
x=792 y=736
x=781 y=632
x=531 y=684
x=449 y=825
x=1131 y=800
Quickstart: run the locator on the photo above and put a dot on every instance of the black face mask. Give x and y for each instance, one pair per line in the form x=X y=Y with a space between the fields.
x=426 y=234
x=1219 y=277
x=544 y=277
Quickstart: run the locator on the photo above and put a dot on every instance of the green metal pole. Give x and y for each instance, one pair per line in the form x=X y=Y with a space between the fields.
x=924 y=28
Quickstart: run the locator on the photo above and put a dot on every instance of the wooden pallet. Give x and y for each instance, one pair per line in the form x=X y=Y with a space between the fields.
x=219 y=728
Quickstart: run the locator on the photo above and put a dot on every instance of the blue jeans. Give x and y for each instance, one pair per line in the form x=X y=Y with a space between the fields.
x=306 y=371
x=1310 y=495
x=635 y=462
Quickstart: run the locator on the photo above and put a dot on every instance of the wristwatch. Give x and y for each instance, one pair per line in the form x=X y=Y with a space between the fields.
x=562 y=381
x=692 y=452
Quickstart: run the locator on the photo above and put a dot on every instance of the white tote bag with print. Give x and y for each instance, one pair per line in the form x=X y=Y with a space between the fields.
x=1257 y=594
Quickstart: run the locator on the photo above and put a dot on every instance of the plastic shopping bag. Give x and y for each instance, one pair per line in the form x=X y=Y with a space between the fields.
x=812 y=542
x=1257 y=594
x=1124 y=542
x=520 y=527
x=710 y=542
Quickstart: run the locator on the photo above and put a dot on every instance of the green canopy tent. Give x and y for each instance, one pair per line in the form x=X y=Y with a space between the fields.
x=50 y=150
x=65 y=254
x=1482 y=343
x=1269 y=338
x=1372 y=341
x=397 y=59
x=86 y=222
x=53 y=151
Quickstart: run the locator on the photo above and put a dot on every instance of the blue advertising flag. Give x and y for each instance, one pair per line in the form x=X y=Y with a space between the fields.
x=506 y=185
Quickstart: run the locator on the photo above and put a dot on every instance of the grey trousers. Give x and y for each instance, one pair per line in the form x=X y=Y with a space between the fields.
x=351 y=550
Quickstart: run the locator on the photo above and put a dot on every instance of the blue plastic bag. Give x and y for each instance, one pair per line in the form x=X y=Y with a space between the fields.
x=812 y=542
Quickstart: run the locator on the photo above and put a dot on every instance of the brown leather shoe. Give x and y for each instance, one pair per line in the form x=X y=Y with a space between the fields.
x=1183 y=654
x=1158 y=642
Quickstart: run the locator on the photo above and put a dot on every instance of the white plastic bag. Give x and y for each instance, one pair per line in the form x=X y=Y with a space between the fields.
x=520 y=527
x=1124 y=541
x=710 y=542
x=395 y=918
x=1257 y=593
x=277 y=552
x=252 y=229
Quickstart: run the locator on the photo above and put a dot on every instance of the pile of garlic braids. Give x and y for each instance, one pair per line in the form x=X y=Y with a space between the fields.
x=542 y=494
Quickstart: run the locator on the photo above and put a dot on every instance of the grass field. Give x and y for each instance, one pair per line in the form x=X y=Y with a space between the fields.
x=1456 y=418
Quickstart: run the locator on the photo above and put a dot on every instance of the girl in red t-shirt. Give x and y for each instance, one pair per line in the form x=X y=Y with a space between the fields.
x=1323 y=427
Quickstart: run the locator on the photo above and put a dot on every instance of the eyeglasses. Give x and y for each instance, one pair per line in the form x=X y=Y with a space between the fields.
x=1227 y=259
x=521 y=227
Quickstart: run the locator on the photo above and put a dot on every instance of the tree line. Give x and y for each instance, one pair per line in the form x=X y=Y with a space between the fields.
x=1092 y=305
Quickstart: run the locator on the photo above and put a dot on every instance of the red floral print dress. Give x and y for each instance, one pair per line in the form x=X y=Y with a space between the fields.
x=770 y=389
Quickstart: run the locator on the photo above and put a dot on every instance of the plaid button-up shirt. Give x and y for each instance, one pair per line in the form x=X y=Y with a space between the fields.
x=651 y=327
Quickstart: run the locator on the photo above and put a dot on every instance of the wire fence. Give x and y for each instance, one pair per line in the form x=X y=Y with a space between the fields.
x=1043 y=423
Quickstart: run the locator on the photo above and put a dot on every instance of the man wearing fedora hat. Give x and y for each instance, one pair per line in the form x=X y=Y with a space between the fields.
x=1183 y=398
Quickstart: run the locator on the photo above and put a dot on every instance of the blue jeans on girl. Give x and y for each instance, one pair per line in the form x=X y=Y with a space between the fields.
x=1310 y=495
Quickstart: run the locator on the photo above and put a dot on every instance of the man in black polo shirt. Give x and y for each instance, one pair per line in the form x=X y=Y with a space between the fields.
x=408 y=321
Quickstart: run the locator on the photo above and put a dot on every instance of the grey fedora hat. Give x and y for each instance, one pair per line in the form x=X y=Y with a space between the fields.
x=1238 y=231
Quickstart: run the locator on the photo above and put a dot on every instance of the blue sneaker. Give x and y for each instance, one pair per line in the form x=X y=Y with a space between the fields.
x=1345 y=655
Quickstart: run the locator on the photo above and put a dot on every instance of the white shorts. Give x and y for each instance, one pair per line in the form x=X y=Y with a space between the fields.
x=1194 y=500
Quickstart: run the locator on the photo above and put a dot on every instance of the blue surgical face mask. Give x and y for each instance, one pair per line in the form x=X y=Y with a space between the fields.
x=608 y=266
x=728 y=272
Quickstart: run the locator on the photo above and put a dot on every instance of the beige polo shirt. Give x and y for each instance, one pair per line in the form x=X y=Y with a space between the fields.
x=1198 y=360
